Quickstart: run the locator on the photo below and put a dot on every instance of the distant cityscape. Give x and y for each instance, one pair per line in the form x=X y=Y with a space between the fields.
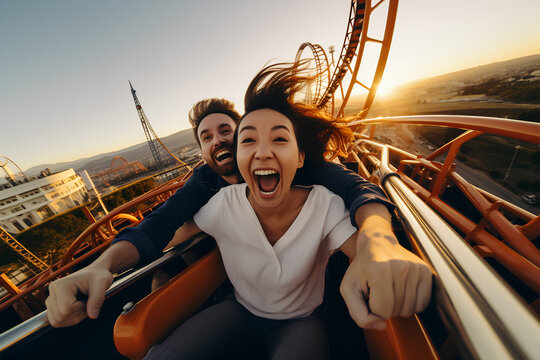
x=26 y=201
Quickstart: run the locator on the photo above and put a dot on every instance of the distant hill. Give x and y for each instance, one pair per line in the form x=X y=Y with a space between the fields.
x=503 y=89
x=139 y=152
x=523 y=66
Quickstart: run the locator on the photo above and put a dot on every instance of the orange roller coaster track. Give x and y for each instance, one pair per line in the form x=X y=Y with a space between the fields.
x=345 y=76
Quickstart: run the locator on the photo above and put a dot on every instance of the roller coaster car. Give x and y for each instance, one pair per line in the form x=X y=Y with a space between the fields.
x=483 y=249
x=149 y=322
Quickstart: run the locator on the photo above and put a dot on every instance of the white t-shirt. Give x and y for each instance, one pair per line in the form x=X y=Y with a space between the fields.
x=286 y=280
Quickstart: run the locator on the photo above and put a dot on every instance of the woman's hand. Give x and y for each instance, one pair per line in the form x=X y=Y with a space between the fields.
x=384 y=280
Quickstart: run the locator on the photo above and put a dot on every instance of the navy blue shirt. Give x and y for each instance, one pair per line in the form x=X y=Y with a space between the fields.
x=158 y=228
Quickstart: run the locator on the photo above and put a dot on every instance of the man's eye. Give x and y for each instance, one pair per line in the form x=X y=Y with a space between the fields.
x=206 y=138
x=226 y=131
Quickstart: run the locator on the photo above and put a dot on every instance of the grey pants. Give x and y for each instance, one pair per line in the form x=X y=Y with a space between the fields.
x=229 y=331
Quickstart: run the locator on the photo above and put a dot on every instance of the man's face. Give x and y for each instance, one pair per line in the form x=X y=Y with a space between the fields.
x=216 y=132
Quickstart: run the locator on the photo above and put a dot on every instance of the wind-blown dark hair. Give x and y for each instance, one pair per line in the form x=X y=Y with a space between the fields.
x=211 y=106
x=317 y=134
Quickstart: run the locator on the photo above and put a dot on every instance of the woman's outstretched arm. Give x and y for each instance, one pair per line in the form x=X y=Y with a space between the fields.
x=384 y=280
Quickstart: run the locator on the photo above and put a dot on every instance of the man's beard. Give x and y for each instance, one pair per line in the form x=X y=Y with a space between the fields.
x=224 y=170
x=227 y=168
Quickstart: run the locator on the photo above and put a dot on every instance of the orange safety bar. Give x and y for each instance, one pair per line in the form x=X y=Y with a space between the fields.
x=155 y=316
x=403 y=339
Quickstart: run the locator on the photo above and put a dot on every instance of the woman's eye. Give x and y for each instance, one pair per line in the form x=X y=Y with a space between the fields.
x=247 y=140
x=281 y=139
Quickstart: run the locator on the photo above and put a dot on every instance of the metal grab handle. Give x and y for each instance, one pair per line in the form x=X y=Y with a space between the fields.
x=479 y=307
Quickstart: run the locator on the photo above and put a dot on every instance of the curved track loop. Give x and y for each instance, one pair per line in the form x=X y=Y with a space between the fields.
x=322 y=69
x=8 y=160
x=352 y=53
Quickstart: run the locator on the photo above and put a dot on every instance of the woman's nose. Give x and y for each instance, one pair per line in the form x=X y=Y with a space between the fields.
x=263 y=151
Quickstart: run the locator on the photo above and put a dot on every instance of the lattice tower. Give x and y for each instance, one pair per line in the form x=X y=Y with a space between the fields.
x=156 y=146
x=31 y=260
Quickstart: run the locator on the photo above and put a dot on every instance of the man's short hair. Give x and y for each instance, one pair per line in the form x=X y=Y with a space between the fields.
x=211 y=106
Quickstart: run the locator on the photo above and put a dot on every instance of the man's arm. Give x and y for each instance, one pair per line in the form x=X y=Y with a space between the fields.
x=152 y=235
x=384 y=280
x=63 y=307
x=142 y=243
x=351 y=187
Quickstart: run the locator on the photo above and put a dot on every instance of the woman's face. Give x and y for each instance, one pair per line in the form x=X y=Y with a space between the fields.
x=268 y=156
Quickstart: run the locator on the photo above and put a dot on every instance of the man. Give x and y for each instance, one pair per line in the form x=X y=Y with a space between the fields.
x=392 y=280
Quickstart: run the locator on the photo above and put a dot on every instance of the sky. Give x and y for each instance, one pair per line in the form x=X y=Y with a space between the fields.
x=65 y=65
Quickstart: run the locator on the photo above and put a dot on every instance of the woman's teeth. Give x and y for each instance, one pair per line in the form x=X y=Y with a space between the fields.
x=267 y=180
x=265 y=172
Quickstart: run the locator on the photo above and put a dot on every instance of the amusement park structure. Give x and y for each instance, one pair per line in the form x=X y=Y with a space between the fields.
x=483 y=250
x=10 y=176
x=120 y=169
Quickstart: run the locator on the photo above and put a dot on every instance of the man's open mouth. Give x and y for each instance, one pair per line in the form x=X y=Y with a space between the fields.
x=267 y=180
x=223 y=154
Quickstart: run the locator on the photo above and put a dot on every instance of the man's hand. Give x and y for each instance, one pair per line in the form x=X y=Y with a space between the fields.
x=384 y=280
x=63 y=307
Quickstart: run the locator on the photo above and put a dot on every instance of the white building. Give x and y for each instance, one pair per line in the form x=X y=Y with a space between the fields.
x=24 y=203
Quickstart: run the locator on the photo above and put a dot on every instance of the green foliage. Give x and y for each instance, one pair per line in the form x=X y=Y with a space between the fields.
x=128 y=193
x=535 y=158
x=530 y=115
x=52 y=238
x=523 y=184
x=493 y=155
x=496 y=174
x=438 y=136
x=523 y=92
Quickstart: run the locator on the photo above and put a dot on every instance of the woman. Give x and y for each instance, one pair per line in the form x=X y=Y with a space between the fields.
x=275 y=239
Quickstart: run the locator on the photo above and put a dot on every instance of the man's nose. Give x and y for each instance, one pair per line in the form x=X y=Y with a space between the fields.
x=219 y=139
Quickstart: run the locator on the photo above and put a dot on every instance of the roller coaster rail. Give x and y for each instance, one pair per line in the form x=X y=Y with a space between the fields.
x=484 y=314
x=495 y=235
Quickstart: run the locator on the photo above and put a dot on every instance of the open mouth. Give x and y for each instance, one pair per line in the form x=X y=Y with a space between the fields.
x=267 y=180
x=223 y=154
